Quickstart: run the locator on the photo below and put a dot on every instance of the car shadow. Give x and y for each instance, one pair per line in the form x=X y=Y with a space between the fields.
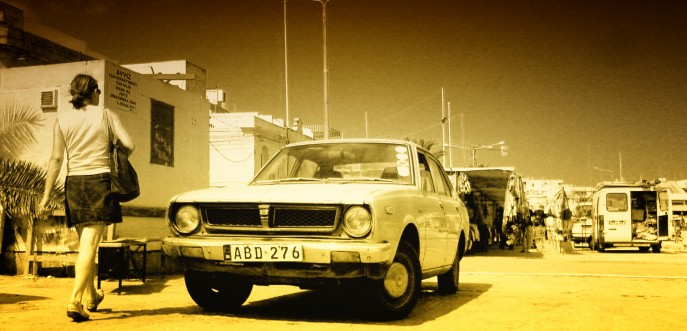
x=346 y=307
x=329 y=306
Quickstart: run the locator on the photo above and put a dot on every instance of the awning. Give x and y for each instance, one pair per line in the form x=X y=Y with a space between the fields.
x=491 y=183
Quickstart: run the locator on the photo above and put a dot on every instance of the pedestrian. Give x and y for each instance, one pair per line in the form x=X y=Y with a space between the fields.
x=539 y=234
x=83 y=133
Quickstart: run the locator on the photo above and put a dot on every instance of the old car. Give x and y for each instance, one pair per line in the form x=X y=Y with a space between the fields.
x=373 y=216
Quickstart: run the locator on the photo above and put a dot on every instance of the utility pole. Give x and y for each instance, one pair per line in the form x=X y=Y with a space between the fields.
x=325 y=70
x=450 y=150
x=287 y=124
x=443 y=128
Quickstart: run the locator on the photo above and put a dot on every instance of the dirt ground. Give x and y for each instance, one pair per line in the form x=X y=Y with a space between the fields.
x=505 y=290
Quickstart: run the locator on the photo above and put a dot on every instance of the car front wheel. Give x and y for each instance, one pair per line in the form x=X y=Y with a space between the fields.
x=394 y=296
x=216 y=291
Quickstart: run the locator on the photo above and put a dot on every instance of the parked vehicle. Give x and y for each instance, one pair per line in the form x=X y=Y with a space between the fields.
x=582 y=230
x=376 y=216
x=628 y=215
x=582 y=223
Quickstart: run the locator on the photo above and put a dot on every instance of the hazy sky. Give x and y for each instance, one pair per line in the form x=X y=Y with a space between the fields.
x=569 y=85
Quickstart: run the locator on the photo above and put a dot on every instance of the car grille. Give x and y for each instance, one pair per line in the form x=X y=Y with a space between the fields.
x=299 y=218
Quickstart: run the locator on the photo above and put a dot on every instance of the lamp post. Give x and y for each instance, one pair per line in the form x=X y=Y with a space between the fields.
x=604 y=170
x=474 y=148
x=325 y=70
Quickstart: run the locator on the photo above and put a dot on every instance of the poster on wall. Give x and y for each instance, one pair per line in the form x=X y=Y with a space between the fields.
x=121 y=88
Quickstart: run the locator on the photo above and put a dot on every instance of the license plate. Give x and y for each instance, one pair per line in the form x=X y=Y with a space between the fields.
x=263 y=253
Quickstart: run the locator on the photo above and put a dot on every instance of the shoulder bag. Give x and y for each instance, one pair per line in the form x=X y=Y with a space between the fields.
x=124 y=178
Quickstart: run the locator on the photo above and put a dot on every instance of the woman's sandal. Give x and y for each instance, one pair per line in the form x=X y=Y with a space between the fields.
x=93 y=305
x=76 y=313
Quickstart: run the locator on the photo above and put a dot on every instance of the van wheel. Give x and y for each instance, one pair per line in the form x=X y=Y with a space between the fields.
x=643 y=249
x=656 y=248
x=394 y=296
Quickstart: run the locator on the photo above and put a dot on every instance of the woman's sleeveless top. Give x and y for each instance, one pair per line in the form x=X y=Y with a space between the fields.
x=86 y=140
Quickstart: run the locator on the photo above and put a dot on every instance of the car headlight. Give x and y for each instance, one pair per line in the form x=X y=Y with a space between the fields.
x=357 y=222
x=187 y=219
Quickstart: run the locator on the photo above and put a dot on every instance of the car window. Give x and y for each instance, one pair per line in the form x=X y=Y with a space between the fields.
x=425 y=176
x=439 y=178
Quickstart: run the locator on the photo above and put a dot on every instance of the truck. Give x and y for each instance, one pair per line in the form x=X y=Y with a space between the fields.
x=629 y=215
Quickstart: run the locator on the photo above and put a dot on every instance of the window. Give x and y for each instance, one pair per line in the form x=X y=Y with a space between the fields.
x=616 y=202
x=439 y=178
x=161 y=133
x=425 y=176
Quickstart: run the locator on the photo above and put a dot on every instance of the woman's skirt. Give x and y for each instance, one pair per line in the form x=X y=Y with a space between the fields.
x=90 y=202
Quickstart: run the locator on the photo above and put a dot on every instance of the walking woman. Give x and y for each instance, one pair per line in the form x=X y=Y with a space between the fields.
x=83 y=133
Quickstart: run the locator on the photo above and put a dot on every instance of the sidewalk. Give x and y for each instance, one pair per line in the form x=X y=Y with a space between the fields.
x=552 y=250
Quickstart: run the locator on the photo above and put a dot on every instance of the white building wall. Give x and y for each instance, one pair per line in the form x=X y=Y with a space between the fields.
x=241 y=143
x=159 y=183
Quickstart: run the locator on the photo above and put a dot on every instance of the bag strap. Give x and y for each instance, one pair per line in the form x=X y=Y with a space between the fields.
x=113 y=142
x=110 y=131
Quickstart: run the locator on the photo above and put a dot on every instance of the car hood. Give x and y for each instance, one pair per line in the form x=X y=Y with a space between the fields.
x=348 y=193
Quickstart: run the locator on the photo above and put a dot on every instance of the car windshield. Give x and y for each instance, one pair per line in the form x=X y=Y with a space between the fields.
x=372 y=162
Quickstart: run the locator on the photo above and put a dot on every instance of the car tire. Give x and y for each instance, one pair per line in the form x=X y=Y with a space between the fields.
x=394 y=296
x=448 y=282
x=656 y=248
x=216 y=291
x=643 y=249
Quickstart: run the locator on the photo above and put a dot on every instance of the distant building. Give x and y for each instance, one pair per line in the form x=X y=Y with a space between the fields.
x=318 y=132
x=19 y=48
x=241 y=143
x=540 y=191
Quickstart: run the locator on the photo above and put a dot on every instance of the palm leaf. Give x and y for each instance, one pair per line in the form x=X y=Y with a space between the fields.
x=21 y=188
x=19 y=123
x=428 y=145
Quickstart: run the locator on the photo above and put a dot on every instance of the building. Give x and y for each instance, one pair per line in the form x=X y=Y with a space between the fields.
x=169 y=125
x=241 y=143
x=318 y=132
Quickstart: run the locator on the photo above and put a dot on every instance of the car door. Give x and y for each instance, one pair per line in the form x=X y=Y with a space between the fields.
x=434 y=218
x=449 y=226
x=615 y=205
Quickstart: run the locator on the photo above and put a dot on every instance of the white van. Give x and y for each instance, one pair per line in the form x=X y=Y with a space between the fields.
x=628 y=215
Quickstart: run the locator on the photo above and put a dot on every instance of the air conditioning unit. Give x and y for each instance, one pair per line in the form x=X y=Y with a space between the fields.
x=48 y=99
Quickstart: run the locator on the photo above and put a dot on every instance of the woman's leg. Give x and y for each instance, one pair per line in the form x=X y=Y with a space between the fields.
x=89 y=239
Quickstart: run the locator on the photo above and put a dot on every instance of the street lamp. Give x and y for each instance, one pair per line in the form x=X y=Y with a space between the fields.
x=474 y=149
x=604 y=170
x=326 y=71
x=492 y=147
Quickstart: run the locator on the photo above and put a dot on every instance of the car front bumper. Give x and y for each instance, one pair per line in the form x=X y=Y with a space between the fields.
x=323 y=262
x=319 y=252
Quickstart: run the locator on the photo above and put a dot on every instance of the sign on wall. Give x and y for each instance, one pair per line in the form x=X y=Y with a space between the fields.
x=121 y=88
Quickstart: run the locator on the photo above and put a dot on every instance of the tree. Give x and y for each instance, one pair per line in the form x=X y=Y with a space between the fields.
x=19 y=123
x=21 y=182
x=428 y=145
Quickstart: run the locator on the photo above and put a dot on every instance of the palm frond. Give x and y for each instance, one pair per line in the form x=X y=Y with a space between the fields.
x=21 y=188
x=19 y=123
x=428 y=145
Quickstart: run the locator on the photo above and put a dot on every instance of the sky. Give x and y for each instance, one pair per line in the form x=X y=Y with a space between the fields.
x=579 y=90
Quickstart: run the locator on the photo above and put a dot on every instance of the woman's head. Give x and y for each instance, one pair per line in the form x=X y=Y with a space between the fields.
x=82 y=90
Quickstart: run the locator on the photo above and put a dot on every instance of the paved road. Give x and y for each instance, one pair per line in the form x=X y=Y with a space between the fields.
x=500 y=290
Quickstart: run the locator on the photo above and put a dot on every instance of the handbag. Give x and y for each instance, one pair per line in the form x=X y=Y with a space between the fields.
x=124 y=179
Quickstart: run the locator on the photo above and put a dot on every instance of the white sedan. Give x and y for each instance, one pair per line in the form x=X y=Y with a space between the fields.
x=376 y=216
